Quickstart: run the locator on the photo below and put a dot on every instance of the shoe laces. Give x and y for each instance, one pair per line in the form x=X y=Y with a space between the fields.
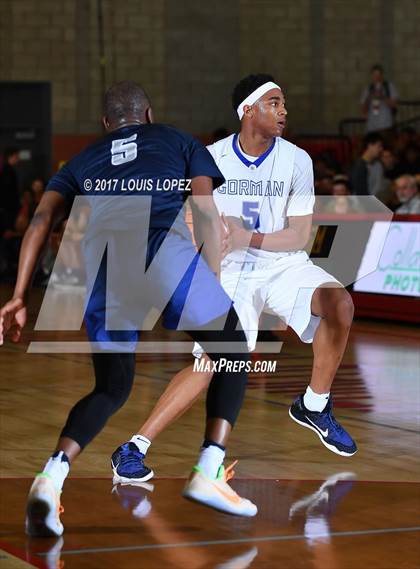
x=331 y=419
x=335 y=423
x=131 y=458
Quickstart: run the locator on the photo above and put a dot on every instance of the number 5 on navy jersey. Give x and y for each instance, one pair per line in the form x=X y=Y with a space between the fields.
x=250 y=215
x=123 y=150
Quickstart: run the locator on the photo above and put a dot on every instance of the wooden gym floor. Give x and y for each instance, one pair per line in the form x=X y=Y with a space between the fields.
x=316 y=509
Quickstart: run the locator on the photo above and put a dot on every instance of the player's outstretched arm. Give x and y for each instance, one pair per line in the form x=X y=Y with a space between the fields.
x=13 y=313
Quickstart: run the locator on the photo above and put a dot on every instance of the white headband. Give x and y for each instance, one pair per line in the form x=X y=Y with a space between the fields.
x=254 y=96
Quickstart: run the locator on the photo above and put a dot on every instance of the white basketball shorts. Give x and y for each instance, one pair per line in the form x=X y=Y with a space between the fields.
x=282 y=287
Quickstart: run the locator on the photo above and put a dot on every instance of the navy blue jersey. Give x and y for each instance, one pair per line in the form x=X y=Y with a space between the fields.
x=140 y=160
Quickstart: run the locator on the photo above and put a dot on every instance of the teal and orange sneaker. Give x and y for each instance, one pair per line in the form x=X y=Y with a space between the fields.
x=43 y=508
x=217 y=493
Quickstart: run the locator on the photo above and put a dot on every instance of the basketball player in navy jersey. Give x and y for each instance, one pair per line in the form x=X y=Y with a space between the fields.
x=136 y=150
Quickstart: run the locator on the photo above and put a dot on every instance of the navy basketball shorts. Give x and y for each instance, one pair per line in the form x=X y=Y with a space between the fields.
x=121 y=293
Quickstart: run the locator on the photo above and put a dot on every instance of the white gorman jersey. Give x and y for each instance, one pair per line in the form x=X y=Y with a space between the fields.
x=263 y=191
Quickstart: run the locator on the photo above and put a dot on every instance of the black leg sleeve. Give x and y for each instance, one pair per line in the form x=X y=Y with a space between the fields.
x=114 y=374
x=227 y=388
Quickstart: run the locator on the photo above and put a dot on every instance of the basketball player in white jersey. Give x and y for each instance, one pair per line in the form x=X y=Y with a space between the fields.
x=267 y=203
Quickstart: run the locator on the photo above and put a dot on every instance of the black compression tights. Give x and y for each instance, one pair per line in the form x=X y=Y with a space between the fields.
x=114 y=373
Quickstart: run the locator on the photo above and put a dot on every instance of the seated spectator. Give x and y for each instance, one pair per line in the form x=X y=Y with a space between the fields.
x=410 y=164
x=324 y=185
x=379 y=101
x=324 y=165
x=406 y=137
x=408 y=195
x=66 y=250
x=342 y=202
x=30 y=202
x=366 y=175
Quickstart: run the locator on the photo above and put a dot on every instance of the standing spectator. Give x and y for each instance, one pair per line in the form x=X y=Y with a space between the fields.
x=391 y=167
x=9 y=190
x=379 y=101
x=391 y=171
x=408 y=195
x=366 y=176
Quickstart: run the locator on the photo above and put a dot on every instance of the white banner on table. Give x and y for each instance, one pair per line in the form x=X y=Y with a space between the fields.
x=398 y=271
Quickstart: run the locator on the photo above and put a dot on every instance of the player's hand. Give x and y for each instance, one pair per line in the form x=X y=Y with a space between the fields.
x=232 y=222
x=239 y=237
x=12 y=319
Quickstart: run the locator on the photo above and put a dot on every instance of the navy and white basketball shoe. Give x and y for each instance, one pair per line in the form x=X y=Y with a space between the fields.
x=127 y=464
x=325 y=425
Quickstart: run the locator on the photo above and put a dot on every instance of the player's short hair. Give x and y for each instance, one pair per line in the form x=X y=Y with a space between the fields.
x=371 y=138
x=125 y=99
x=247 y=85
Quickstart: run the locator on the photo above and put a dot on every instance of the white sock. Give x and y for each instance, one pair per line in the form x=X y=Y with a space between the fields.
x=210 y=460
x=141 y=442
x=57 y=469
x=315 y=401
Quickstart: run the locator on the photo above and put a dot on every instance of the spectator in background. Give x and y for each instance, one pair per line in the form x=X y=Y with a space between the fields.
x=408 y=195
x=324 y=185
x=391 y=168
x=30 y=201
x=325 y=165
x=406 y=137
x=9 y=191
x=410 y=164
x=391 y=171
x=69 y=265
x=366 y=176
x=342 y=202
x=379 y=102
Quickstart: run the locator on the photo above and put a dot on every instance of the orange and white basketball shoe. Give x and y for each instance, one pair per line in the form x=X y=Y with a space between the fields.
x=217 y=493
x=43 y=508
